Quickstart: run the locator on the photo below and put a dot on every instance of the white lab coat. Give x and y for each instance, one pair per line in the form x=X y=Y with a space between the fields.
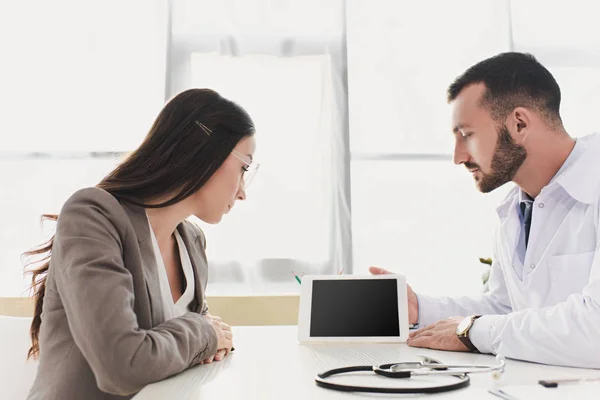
x=552 y=314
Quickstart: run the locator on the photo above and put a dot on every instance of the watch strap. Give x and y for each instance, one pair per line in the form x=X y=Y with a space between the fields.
x=464 y=338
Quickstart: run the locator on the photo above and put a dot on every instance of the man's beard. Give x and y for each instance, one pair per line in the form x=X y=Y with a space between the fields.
x=508 y=158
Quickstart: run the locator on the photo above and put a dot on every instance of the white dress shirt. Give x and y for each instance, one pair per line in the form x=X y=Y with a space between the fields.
x=172 y=309
x=545 y=305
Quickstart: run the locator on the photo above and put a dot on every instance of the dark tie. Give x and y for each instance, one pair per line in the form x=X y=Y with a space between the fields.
x=526 y=207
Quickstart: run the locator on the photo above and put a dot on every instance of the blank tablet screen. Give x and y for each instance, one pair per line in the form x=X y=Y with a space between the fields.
x=354 y=307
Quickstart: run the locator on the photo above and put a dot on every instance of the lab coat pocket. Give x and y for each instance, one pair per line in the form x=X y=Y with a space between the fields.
x=569 y=274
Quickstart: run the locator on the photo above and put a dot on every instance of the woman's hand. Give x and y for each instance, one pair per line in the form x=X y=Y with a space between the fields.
x=217 y=357
x=224 y=336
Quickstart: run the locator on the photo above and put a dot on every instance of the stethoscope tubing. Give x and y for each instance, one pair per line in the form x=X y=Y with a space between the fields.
x=395 y=371
x=463 y=381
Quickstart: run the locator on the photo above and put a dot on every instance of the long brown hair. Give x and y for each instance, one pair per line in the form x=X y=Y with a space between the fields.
x=177 y=157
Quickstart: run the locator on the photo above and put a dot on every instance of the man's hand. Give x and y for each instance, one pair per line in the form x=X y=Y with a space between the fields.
x=438 y=336
x=224 y=335
x=413 y=303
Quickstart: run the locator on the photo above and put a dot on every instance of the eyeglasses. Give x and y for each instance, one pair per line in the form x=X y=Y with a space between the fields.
x=250 y=167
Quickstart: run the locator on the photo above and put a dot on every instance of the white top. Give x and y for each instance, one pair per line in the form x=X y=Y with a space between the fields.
x=173 y=310
x=547 y=308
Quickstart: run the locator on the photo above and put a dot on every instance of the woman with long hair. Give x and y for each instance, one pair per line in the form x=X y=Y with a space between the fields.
x=120 y=290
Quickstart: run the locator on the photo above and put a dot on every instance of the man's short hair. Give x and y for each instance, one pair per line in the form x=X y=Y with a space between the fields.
x=513 y=80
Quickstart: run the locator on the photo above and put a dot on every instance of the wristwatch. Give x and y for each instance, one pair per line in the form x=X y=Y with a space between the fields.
x=462 y=331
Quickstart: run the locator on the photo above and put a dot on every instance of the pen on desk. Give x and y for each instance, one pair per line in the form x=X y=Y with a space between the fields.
x=554 y=383
x=298 y=279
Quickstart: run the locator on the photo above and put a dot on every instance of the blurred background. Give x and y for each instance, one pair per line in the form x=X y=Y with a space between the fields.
x=348 y=97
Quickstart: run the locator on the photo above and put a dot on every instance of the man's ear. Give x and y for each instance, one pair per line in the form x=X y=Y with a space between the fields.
x=518 y=123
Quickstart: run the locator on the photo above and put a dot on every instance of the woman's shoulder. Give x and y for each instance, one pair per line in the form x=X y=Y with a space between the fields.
x=92 y=204
x=92 y=195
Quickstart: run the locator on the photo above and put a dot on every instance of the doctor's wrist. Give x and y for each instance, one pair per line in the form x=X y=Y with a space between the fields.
x=463 y=330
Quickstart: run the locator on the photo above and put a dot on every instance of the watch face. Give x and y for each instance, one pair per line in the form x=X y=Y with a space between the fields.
x=462 y=327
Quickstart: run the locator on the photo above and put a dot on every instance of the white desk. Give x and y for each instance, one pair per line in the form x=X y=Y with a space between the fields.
x=269 y=363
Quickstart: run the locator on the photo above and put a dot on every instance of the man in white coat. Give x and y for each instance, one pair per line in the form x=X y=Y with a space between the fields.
x=544 y=299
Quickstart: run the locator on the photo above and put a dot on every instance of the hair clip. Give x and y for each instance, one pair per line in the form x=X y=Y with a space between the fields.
x=204 y=128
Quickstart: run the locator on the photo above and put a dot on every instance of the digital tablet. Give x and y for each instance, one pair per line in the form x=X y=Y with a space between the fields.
x=353 y=308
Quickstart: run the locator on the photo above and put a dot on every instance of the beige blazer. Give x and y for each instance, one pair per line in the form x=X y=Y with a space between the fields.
x=103 y=332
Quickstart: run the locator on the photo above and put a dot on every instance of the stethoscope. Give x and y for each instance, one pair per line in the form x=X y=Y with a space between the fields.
x=427 y=367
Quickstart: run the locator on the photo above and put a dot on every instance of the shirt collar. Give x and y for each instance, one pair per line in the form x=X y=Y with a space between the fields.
x=511 y=201
x=579 y=176
x=524 y=196
x=581 y=179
